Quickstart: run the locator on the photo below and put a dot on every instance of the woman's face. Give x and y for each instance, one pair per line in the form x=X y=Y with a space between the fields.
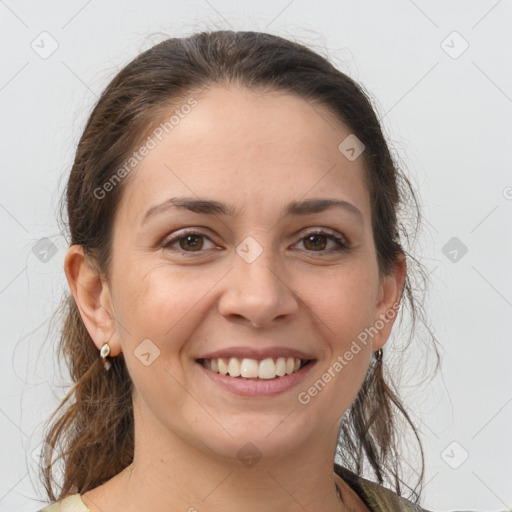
x=250 y=279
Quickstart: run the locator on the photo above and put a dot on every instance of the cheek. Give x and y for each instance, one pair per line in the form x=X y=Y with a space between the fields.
x=148 y=291
x=344 y=307
x=343 y=302
x=156 y=314
x=161 y=303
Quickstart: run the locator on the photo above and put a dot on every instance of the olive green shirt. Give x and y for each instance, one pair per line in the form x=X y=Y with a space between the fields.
x=374 y=496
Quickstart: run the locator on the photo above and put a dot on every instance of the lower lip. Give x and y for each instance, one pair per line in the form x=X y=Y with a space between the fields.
x=260 y=387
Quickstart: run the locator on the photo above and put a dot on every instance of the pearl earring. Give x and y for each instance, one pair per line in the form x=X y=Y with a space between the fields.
x=104 y=353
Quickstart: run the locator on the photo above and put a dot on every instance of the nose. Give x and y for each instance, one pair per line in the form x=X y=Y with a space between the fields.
x=258 y=293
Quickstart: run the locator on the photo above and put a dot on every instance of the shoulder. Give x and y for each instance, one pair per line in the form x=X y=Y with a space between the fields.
x=73 y=503
x=375 y=496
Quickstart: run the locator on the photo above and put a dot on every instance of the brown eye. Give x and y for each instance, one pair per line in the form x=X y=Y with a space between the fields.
x=318 y=241
x=187 y=242
x=191 y=241
x=315 y=241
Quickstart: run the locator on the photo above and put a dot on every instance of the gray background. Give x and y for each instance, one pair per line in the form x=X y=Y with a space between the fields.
x=445 y=108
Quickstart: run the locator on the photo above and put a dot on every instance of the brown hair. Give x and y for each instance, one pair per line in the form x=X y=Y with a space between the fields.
x=94 y=434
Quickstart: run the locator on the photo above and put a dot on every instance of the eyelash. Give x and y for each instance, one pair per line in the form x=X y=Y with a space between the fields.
x=340 y=241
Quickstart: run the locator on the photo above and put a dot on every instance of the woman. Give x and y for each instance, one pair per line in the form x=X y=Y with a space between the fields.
x=235 y=269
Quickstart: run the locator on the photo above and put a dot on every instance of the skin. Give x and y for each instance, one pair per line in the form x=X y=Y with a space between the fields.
x=256 y=152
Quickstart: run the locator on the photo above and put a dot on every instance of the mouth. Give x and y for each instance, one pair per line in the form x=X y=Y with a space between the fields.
x=255 y=369
x=256 y=378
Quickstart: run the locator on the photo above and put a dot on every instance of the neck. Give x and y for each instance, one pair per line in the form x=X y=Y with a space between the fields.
x=190 y=481
x=172 y=473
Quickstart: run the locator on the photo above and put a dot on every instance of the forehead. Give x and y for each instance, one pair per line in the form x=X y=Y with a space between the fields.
x=247 y=147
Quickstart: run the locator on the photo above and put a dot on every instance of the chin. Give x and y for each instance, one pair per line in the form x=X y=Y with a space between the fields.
x=261 y=437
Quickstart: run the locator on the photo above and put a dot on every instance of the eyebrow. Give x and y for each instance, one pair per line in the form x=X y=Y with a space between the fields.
x=211 y=207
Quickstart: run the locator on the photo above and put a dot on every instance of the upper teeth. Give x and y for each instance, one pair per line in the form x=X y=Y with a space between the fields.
x=252 y=368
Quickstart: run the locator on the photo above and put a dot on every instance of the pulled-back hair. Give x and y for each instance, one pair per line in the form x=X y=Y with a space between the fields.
x=92 y=430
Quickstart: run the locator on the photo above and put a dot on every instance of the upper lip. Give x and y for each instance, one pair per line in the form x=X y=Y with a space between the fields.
x=257 y=353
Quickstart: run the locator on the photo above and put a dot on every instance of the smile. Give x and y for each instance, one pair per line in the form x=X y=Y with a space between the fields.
x=255 y=378
x=268 y=368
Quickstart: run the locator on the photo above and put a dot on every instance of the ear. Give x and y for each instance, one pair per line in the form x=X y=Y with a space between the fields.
x=92 y=296
x=390 y=293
